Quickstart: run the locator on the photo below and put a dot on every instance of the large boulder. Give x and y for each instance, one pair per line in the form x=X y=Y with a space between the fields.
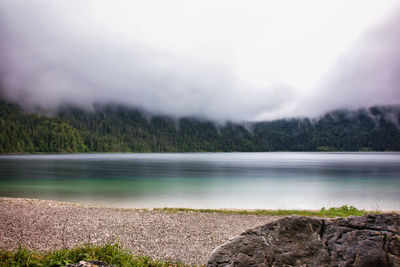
x=371 y=240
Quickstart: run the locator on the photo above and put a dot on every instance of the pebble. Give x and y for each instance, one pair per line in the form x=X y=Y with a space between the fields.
x=187 y=237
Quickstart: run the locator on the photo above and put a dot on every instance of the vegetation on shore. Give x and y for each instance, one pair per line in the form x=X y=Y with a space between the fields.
x=115 y=255
x=112 y=254
x=343 y=211
x=112 y=128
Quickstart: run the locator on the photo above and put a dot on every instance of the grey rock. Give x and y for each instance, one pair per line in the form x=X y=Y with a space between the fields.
x=371 y=240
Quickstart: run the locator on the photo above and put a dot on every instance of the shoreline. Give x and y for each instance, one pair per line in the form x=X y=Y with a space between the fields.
x=258 y=211
x=242 y=211
x=188 y=237
x=168 y=234
x=196 y=152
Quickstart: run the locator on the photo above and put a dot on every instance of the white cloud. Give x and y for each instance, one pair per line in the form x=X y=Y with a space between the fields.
x=235 y=60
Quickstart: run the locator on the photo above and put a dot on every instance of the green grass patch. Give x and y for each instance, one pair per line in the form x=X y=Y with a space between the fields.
x=343 y=211
x=112 y=254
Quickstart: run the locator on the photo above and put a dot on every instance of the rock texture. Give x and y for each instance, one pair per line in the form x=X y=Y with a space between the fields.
x=371 y=240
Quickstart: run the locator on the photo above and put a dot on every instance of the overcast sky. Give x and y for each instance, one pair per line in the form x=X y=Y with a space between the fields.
x=224 y=59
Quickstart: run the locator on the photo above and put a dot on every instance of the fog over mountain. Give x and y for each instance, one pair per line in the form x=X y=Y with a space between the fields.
x=225 y=60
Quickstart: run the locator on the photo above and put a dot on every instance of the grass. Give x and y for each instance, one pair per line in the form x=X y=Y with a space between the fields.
x=343 y=211
x=112 y=254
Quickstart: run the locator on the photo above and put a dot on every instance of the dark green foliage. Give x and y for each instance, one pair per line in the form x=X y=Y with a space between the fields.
x=112 y=128
x=112 y=254
x=336 y=131
x=20 y=132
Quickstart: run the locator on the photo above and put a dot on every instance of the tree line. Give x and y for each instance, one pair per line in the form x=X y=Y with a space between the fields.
x=113 y=128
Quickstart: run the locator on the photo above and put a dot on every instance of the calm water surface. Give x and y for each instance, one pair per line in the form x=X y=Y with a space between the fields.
x=208 y=180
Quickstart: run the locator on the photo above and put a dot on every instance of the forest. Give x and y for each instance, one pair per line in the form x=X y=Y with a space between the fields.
x=116 y=128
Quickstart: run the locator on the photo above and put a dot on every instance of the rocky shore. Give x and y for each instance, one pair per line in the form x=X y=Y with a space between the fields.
x=370 y=240
x=188 y=237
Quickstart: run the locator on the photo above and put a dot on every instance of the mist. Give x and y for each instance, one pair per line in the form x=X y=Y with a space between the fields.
x=367 y=74
x=249 y=66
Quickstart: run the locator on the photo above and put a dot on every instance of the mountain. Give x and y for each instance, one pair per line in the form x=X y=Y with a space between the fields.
x=113 y=128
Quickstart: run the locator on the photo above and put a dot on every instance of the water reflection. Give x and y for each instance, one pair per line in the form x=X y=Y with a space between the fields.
x=208 y=180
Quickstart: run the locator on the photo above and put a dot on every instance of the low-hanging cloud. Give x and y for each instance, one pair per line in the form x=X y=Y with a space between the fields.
x=48 y=61
x=367 y=74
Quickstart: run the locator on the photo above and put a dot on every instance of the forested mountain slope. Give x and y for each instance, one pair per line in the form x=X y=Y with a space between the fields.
x=112 y=128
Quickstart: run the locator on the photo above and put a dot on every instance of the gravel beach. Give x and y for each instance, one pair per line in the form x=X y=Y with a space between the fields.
x=187 y=237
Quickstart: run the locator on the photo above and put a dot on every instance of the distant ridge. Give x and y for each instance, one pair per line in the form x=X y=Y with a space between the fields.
x=113 y=128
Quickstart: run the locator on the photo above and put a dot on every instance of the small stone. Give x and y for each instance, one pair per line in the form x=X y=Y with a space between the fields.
x=90 y=263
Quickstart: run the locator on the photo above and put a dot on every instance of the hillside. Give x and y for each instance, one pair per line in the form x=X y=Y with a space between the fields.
x=111 y=128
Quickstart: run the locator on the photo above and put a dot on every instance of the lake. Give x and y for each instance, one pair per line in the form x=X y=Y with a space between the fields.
x=275 y=180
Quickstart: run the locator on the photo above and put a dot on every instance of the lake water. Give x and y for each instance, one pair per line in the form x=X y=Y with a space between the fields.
x=208 y=180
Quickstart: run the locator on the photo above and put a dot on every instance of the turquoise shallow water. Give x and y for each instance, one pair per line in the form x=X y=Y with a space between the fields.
x=208 y=180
